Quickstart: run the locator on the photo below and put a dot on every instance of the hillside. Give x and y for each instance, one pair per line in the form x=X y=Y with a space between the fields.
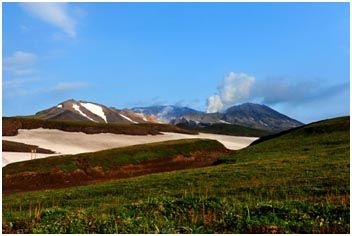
x=10 y=146
x=10 y=126
x=72 y=110
x=71 y=170
x=297 y=182
x=165 y=113
x=227 y=129
x=249 y=115
x=259 y=117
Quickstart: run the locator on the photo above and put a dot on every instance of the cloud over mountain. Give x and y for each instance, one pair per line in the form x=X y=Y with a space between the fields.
x=234 y=88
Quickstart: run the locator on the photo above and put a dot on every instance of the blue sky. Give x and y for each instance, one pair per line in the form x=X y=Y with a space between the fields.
x=293 y=57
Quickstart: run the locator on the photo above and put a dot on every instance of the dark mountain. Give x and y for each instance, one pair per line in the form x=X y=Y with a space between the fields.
x=248 y=114
x=89 y=111
x=165 y=113
x=259 y=116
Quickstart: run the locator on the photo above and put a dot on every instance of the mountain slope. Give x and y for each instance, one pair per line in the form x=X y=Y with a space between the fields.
x=227 y=129
x=248 y=114
x=165 y=113
x=72 y=110
x=259 y=116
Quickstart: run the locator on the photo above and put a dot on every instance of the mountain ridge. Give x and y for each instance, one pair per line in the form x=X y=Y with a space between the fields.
x=79 y=110
x=250 y=115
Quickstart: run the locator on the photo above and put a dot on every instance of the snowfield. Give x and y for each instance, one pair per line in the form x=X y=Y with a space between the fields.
x=76 y=107
x=129 y=119
x=95 y=109
x=77 y=142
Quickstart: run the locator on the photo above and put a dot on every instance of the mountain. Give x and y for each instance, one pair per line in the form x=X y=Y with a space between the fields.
x=89 y=111
x=248 y=114
x=259 y=116
x=165 y=113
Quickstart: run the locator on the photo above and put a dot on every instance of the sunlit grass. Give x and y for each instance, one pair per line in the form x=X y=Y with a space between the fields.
x=294 y=183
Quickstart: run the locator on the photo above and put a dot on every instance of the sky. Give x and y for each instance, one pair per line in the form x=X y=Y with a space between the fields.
x=293 y=57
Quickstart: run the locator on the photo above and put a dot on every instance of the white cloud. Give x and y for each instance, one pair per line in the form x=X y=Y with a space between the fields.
x=67 y=86
x=238 y=88
x=19 y=87
x=56 y=14
x=15 y=83
x=233 y=89
x=20 y=63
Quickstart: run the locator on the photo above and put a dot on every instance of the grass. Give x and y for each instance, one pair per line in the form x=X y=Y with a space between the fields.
x=12 y=124
x=110 y=158
x=297 y=182
x=228 y=129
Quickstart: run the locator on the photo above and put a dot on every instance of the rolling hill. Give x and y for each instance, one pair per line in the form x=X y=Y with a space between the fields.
x=293 y=182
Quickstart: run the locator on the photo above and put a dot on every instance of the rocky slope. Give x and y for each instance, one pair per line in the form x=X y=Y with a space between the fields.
x=73 y=110
x=248 y=114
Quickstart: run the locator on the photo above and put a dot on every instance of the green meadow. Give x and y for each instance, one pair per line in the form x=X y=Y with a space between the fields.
x=293 y=182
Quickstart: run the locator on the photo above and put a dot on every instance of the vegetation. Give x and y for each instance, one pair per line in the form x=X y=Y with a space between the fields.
x=10 y=126
x=297 y=182
x=228 y=129
x=110 y=158
x=10 y=146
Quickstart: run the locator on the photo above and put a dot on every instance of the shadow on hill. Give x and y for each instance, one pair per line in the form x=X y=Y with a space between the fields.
x=319 y=127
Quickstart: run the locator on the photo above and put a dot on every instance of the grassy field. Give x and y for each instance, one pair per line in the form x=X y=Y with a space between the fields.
x=228 y=129
x=297 y=182
x=10 y=126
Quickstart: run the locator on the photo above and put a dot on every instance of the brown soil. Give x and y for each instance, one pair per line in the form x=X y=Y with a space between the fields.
x=10 y=146
x=30 y=181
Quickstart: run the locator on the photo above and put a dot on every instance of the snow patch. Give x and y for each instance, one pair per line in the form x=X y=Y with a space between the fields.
x=129 y=119
x=97 y=110
x=59 y=106
x=225 y=122
x=76 y=107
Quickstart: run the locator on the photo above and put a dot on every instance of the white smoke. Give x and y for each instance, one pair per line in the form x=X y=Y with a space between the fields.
x=214 y=104
x=234 y=88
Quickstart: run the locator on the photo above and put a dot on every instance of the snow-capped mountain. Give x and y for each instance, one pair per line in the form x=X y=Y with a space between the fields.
x=89 y=111
x=248 y=114
x=165 y=113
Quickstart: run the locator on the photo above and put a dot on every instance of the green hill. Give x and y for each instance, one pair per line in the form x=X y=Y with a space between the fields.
x=295 y=182
x=72 y=170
